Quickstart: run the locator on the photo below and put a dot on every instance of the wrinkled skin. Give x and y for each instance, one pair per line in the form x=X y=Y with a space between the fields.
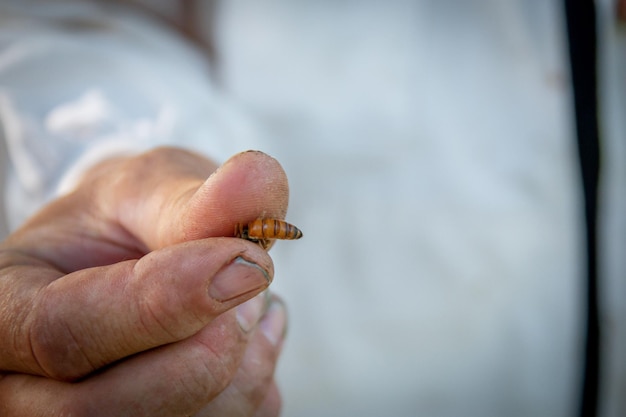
x=127 y=297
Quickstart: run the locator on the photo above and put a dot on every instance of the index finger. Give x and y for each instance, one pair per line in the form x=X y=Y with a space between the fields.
x=125 y=208
x=179 y=208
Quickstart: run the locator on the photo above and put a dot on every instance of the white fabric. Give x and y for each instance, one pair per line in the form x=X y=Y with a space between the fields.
x=431 y=155
x=88 y=80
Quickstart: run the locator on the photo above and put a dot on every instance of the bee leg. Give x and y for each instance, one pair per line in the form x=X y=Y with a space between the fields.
x=265 y=243
x=241 y=231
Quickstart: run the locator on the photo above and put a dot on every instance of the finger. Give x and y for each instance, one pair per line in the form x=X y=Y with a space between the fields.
x=127 y=207
x=253 y=389
x=272 y=404
x=248 y=186
x=178 y=206
x=91 y=318
x=174 y=380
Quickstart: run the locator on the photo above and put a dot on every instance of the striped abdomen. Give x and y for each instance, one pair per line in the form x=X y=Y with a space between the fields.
x=264 y=230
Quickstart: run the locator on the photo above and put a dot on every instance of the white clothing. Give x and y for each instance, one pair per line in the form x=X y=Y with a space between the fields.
x=80 y=81
x=433 y=168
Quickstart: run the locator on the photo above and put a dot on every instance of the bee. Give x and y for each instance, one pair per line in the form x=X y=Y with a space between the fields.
x=264 y=231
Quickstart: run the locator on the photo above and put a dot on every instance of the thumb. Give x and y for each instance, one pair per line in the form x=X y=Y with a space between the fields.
x=248 y=186
x=93 y=317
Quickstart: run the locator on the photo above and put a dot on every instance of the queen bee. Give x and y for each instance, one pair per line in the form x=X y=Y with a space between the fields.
x=263 y=231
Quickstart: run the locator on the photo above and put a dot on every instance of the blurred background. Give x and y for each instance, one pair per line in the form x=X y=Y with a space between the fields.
x=431 y=152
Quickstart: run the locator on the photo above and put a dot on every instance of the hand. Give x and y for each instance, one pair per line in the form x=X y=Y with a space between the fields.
x=118 y=298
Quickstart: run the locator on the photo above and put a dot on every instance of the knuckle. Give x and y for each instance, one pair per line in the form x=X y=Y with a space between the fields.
x=204 y=375
x=158 y=323
x=54 y=346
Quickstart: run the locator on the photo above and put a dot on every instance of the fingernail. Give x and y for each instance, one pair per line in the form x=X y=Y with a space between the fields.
x=250 y=312
x=274 y=323
x=238 y=278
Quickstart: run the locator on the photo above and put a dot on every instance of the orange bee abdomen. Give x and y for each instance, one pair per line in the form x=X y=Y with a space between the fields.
x=273 y=229
x=264 y=230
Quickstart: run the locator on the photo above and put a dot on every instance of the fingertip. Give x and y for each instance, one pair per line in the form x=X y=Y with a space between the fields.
x=274 y=323
x=272 y=403
x=247 y=186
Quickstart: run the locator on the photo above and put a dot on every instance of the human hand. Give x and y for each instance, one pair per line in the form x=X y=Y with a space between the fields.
x=118 y=298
